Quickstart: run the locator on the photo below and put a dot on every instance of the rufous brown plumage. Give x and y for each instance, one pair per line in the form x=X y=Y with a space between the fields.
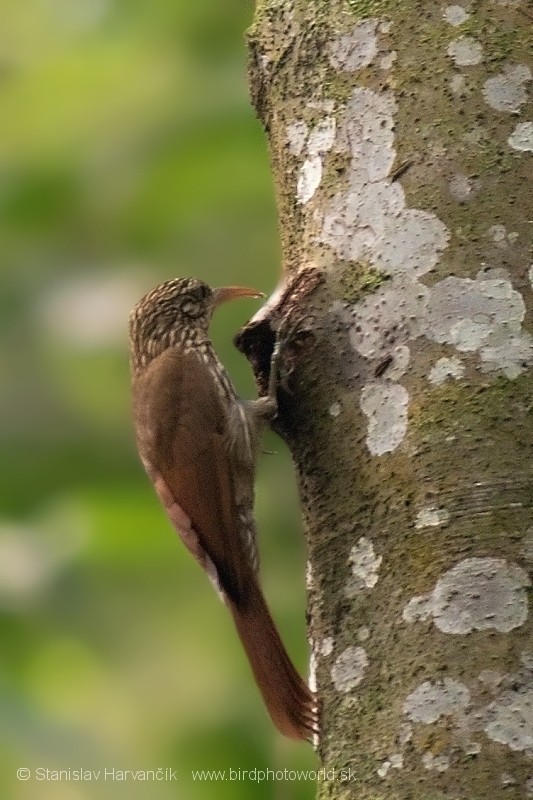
x=198 y=442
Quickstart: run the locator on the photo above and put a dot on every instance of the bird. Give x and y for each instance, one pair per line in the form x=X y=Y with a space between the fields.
x=198 y=442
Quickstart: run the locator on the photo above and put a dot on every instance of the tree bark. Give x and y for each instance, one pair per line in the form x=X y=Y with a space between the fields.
x=400 y=140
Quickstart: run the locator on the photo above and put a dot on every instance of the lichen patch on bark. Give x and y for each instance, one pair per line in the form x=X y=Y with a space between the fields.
x=465 y=51
x=521 y=138
x=481 y=315
x=431 y=517
x=439 y=763
x=385 y=406
x=319 y=141
x=476 y=594
x=394 y=761
x=455 y=15
x=349 y=668
x=509 y=719
x=365 y=566
x=432 y=700
x=507 y=91
x=446 y=368
x=356 y=49
x=326 y=646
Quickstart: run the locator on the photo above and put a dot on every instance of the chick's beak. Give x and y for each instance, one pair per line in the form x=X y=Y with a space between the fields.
x=225 y=293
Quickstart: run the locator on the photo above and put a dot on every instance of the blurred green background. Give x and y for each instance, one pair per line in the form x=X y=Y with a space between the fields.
x=129 y=153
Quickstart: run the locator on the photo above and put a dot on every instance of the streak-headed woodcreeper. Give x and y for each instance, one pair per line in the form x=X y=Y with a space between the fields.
x=198 y=442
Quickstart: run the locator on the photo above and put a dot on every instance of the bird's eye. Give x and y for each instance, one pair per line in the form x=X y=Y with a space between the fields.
x=191 y=307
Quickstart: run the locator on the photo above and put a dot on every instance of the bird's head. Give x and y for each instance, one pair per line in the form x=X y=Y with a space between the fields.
x=176 y=313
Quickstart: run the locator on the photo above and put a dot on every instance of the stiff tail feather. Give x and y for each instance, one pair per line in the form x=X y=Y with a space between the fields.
x=290 y=703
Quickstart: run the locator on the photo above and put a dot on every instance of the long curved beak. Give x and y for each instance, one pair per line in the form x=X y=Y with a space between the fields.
x=225 y=293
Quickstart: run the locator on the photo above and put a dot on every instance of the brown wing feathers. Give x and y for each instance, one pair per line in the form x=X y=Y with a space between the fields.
x=193 y=475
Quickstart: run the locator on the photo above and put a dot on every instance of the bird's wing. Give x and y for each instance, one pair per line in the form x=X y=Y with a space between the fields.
x=184 y=443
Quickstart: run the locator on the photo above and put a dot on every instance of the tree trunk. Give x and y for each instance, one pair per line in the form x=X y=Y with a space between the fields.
x=400 y=148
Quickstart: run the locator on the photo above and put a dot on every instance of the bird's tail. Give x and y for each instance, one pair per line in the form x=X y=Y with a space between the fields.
x=289 y=701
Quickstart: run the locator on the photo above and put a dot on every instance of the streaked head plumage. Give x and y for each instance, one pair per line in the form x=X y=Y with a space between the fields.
x=176 y=312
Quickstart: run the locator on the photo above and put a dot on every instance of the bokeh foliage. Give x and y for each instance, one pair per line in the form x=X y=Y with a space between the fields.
x=128 y=154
